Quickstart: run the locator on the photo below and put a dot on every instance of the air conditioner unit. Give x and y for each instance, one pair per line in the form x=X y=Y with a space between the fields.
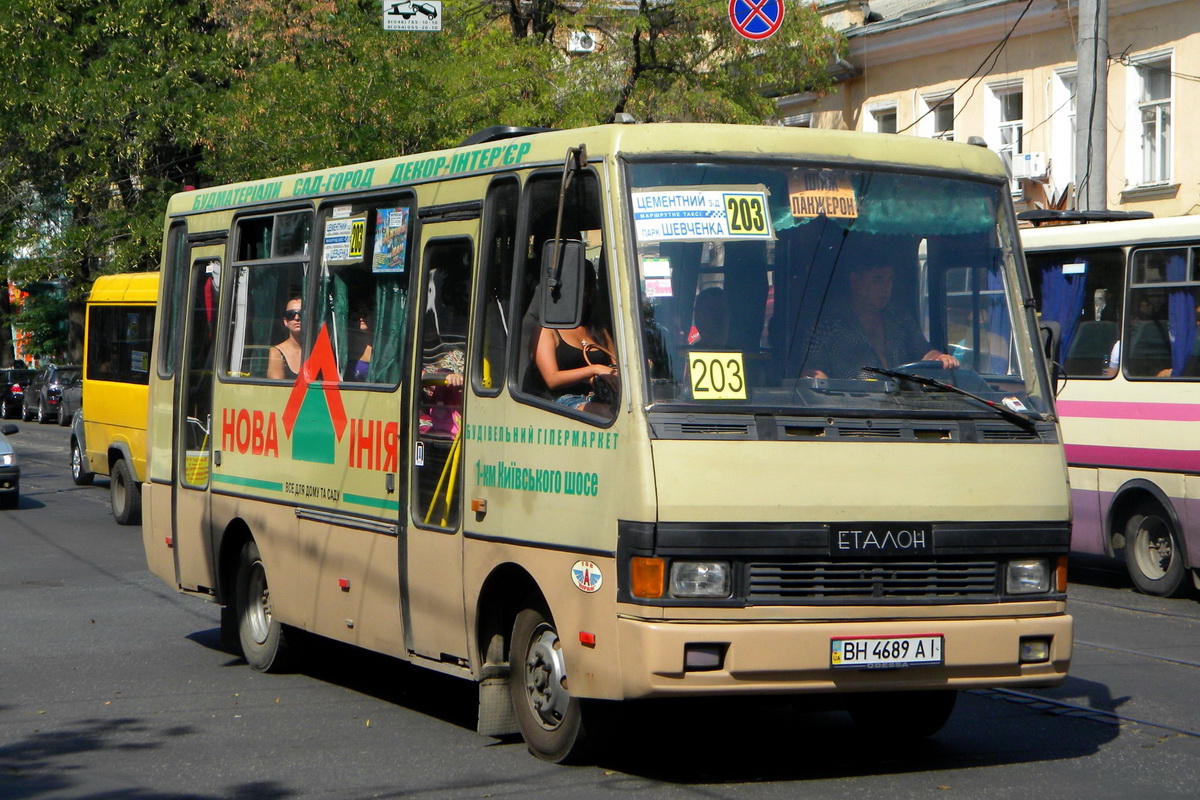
x=581 y=42
x=1030 y=166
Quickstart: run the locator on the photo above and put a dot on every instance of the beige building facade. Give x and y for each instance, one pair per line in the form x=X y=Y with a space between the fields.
x=1003 y=72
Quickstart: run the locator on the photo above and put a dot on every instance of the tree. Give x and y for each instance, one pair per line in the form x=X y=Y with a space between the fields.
x=101 y=103
x=44 y=317
x=321 y=83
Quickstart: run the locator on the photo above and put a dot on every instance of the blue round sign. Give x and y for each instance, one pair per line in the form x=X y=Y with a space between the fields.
x=756 y=19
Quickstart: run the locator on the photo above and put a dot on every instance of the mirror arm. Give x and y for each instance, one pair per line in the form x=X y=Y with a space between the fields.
x=575 y=161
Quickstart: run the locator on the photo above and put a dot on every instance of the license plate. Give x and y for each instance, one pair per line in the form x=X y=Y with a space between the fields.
x=882 y=652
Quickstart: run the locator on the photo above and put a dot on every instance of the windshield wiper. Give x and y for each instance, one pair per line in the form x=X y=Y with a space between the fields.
x=1012 y=416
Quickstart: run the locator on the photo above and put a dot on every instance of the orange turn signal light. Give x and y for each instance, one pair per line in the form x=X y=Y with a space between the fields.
x=646 y=577
x=1060 y=574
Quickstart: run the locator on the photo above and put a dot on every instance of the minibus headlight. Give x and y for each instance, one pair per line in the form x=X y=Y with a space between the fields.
x=1028 y=576
x=700 y=579
x=7 y=459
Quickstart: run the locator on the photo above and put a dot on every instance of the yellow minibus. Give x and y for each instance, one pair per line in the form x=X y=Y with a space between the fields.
x=108 y=433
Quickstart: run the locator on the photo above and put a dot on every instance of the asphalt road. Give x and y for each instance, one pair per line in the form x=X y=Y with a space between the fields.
x=113 y=686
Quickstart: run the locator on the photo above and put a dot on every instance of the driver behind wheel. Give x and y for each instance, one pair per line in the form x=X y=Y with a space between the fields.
x=863 y=328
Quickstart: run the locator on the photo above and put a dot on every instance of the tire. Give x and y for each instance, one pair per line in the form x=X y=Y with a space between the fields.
x=1154 y=553
x=26 y=414
x=125 y=494
x=11 y=499
x=43 y=416
x=262 y=638
x=79 y=471
x=895 y=716
x=550 y=719
x=64 y=419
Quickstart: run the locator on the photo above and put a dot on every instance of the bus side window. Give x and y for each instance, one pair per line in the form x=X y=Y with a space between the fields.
x=364 y=289
x=497 y=251
x=580 y=221
x=268 y=287
x=1163 y=301
x=119 y=343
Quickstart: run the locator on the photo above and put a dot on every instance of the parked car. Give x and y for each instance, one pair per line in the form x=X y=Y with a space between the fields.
x=72 y=399
x=43 y=395
x=13 y=381
x=10 y=471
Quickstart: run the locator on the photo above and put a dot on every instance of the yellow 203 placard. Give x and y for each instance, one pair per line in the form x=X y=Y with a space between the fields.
x=717 y=376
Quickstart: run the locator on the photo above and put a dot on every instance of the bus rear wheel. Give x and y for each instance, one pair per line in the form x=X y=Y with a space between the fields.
x=550 y=718
x=125 y=494
x=897 y=715
x=1153 y=552
x=261 y=635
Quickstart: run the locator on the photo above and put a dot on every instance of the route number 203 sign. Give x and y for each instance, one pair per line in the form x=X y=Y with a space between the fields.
x=717 y=376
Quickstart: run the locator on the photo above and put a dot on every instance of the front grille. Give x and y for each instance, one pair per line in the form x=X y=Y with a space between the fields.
x=825 y=581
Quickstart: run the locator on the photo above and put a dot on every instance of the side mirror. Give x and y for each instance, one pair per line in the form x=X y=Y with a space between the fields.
x=1051 y=335
x=562 y=274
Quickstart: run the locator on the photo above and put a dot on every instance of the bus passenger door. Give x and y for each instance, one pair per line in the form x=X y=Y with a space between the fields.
x=434 y=599
x=193 y=421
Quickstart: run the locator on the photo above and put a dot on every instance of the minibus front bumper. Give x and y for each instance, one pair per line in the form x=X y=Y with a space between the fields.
x=661 y=658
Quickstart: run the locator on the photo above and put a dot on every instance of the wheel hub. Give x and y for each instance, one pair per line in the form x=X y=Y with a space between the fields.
x=1153 y=548
x=545 y=678
x=259 y=596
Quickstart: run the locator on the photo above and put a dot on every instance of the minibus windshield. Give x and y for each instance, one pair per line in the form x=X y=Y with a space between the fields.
x=779 y=286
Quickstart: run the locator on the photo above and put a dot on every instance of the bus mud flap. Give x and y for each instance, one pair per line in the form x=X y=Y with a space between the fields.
x=496 y=715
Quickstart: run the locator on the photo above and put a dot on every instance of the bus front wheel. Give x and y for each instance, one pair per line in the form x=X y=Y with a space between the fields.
x=1153 y=552
x=550 y=718
x=261 y=636
x=125 y=494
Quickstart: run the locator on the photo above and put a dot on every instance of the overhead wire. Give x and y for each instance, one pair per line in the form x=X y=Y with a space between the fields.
x=993 y=55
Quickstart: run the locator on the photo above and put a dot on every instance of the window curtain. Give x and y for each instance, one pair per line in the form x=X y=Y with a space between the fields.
x=267 y=297
x=1181 y=320
x=337 y=300
x=1062 y=302
x=391 y=317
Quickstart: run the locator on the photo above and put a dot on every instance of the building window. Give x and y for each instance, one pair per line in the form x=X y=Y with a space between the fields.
x=882 y=120
x=1011 y=125
x=1062 y=130
x=938 y=121
x=1154 y=113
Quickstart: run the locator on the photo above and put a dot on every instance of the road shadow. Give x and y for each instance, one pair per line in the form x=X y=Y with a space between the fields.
x=1100 y=571
x=751 y=739
x=375 y=675
x=56 y=763
x=25 y=502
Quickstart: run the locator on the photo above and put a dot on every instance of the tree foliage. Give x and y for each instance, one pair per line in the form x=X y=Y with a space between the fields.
x=109 y=106
x=100 y=107
x=321 y=83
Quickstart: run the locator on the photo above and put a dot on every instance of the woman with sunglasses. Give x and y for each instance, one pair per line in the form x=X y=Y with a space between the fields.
x=283 y=360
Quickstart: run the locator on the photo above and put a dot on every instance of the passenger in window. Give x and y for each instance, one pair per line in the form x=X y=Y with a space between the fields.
x=710 y=319
x=364 y=317
x=865 y=330
x=283 y=360
x=579 y=365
